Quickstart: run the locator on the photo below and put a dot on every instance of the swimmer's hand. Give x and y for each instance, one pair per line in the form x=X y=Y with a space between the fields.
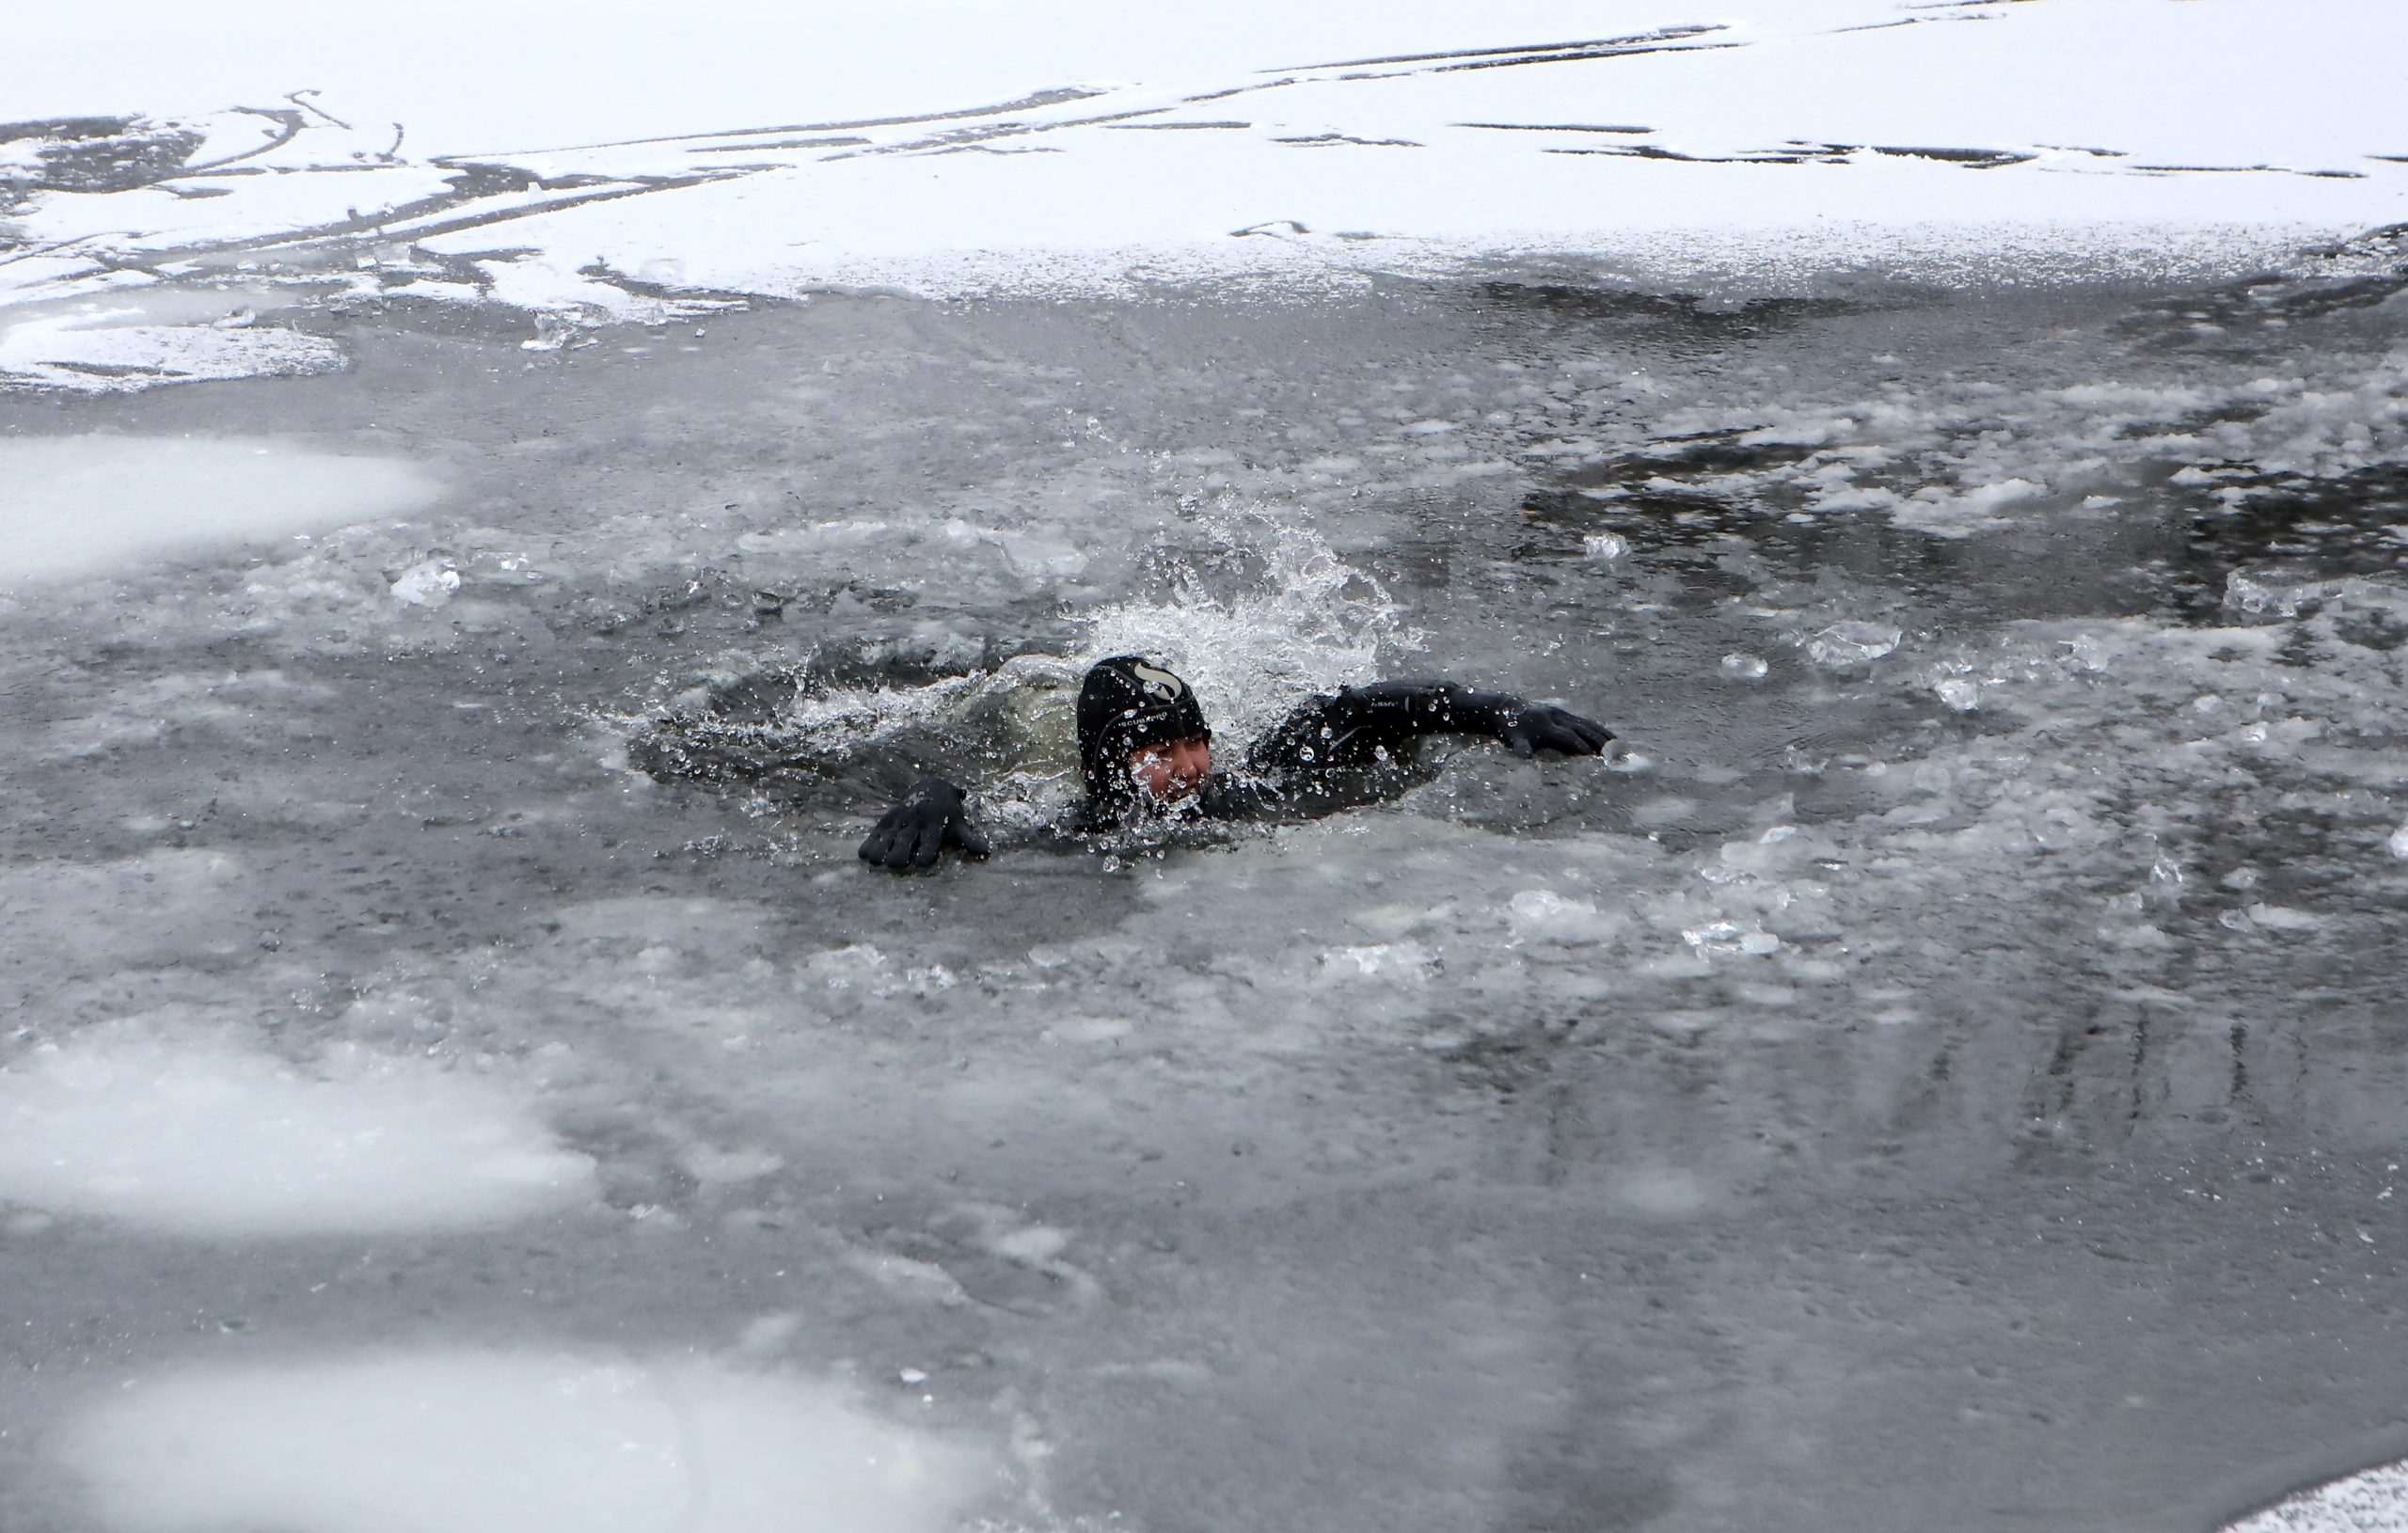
x=931 y=817
x=1527 y=728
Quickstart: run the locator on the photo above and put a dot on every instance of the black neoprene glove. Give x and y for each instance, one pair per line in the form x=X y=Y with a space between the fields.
x=1527 y=728
x=931 y=817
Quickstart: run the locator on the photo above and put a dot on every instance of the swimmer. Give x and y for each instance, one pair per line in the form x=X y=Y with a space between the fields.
x=1145 y=752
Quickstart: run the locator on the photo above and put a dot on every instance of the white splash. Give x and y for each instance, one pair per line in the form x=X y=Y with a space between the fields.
x=1307 y=622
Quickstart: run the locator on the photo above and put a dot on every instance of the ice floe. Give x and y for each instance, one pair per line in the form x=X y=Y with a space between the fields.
x=504 y=1442
x=88 y=503
x=181 y=1126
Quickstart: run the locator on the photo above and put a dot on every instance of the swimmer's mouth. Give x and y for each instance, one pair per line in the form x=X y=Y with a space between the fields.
x=1173 y=801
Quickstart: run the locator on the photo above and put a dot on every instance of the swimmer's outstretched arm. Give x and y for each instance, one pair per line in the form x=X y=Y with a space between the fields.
x=932 y=817
x=1353 y=726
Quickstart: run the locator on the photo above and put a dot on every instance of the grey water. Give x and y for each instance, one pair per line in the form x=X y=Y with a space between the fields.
x=1947 y=1072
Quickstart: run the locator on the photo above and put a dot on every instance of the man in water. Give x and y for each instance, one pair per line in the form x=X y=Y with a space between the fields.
x=1146 y=753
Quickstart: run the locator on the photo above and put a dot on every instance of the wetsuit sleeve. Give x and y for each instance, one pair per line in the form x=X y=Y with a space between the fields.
x=933 y=816
x=1353 y=726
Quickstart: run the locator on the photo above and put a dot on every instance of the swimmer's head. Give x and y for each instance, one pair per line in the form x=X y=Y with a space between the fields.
x=1142 y=738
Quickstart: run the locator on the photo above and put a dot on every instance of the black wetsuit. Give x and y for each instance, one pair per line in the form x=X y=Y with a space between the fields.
x=1343 y=747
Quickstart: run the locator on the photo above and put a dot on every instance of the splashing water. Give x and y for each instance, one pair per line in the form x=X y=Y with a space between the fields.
x=1307 y=622
x=1294 y=619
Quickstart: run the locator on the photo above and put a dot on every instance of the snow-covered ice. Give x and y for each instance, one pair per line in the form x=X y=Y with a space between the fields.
x=2374 y=1501
x=1098 y=151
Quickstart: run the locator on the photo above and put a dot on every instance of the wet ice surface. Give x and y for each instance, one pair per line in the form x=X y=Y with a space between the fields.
x=1943 y=1075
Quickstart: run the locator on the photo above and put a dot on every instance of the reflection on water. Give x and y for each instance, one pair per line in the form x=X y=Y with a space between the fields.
x=1945 y=1074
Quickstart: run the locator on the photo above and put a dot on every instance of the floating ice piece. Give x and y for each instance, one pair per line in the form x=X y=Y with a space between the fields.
x=430 y=584
x=1959 y=693
x=1605 y=548
x=199 y=1134
x=1851 y=643
x=1779 y=848
x=557 y=331
x=1380 y=960
x=1744 y=667
x=1730 y=937
x=841 y=967
x=1544 y=907
x=503 y=1442
x=2283 y=918
x=1936 y=511
x=2399 y=842
x=112 y=347
x=80 y=504
x=2273 y=593
x=2277 y=593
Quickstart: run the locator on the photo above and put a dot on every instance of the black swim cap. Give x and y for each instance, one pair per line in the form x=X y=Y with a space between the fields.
x=1127 y=703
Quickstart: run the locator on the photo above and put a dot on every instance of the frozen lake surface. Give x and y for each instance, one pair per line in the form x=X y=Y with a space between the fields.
x=1944 y=1071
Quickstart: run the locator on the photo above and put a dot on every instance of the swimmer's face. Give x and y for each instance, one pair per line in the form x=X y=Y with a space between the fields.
x=1170 y=774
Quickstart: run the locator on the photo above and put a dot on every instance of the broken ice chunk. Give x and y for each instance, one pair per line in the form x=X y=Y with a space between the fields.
x=1382 y=960
x=2283 y=918
x=1853 y=643
x=430 y=584
x=1730 y=937
x=1744 y=667
x=1959 y=693
x=1539 y=907
x=557 y=331
x=2399 y=842
x=1604 y=548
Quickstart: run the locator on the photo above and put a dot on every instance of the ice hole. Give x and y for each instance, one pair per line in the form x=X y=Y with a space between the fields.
x=81 y=504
